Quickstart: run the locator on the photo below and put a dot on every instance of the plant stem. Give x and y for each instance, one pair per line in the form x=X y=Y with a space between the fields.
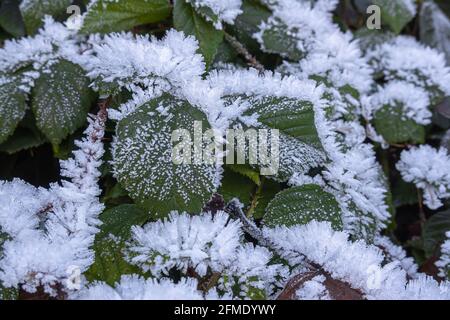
x=239 y=47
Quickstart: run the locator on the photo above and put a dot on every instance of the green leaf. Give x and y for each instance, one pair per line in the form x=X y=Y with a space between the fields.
x=8 y=293
x=191 y=23
x=11 y=18
x=109 y=264
x=235 y=185
x=396 y=14
x=247 y=23
x=12 y=105
x=434 y=232
x=281 y=39
x=404 y=193
x=106 y=16
x=369 y=39
x=34 y=11
x=143 y=158
x=119 y=220
x=390 y=122
x=300 y=205
x=435 y=28
x=246 y=171
x=299 y=145
x=268 y=191
x=22 y=139
x=291 y=116
x=61 y=100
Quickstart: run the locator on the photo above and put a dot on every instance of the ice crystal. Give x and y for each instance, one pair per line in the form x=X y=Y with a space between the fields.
x=429 y=170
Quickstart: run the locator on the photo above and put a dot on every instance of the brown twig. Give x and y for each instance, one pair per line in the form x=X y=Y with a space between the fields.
x=239 y=47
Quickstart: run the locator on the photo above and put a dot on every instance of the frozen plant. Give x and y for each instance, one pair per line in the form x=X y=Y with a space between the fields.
x=49 y=232
x=254 y=149
x=429 y=170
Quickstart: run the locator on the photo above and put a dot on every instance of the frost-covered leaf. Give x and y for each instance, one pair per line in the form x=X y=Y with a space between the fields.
x=12 y=105
x=299 y=145
x=428 y=169
x=133 y=287
x=10 y=17
x=201 y=242
x=61 y=99
x=106 y=16
x=434 y=232
x=291 y=116
x=246 y=24
x=277 y=38
x=8 y=293
x=396 y=13
x=143 y=158
x=370 y=38
x=217 y=11
x=390 y=122
x=118 y=220
x=302 y=204
x=191 y=23
x=33 y=11
x=110 y=264
x=435 y=28
x=423 y=67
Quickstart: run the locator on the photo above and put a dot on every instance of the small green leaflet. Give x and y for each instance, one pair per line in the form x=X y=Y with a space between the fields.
x=246 y=171
x=108 y=16
x=302 y=204
x=262 y=197
x=235 y=185
x=396 y=13
x=143 y=158
x=390 y=122
x=12 y=105
x=109 y=264
x=434 y=232
x=33 y=11
x=61 y=100
x=186 y=19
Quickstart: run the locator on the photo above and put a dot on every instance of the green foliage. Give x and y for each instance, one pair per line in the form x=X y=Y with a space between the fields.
x=12 y=106
x=34 y=11
x=434 y=232
x=391 y=123
x=61 y=100
x=246 y=24
x=186 y=19
x=109 y=264
x=236 y=185
x=108 y=16
x=143 y=159
x=11 y=18
x=302 y=204
x=395 y=14
x=279 y=39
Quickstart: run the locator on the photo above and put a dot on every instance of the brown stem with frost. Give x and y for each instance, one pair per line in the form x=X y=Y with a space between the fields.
x=334 y=286
x=239 y=47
